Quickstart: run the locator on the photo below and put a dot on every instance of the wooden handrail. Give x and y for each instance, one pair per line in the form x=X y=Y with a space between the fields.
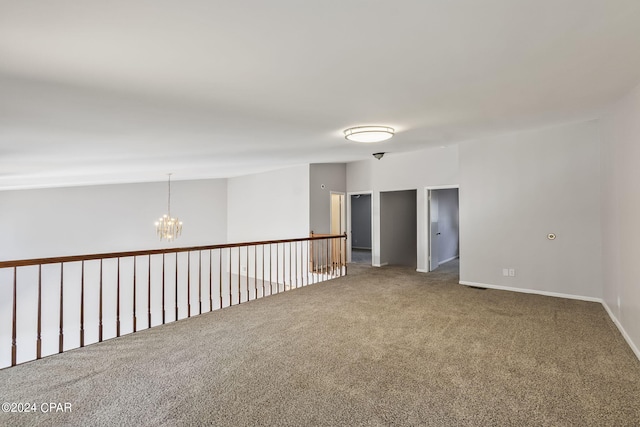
x=72 y=258
x=111 y=292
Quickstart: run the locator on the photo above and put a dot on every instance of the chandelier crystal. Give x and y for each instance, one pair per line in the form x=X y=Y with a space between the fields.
x=168 y=227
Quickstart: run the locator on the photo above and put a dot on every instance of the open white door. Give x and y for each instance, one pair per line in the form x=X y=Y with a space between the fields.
x=338 y=213
x=338 y=226
x=434 y=234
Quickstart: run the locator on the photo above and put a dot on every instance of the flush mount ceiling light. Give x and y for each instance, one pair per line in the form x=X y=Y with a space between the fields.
x=368 y=133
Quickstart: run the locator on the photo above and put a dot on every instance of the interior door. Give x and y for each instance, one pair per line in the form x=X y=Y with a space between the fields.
x=434 y=234
x=337 y=213
x=338 y=226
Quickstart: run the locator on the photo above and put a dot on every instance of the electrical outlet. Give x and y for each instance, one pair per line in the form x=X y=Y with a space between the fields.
x=243 y=268
x=505 y=272
x=512 y=272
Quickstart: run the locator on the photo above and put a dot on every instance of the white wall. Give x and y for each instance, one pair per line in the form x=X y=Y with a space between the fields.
x=418 y=169
x=359 y=176
x=323 y=179
x=621 y=215
x=404 y=171
x=108 y=218
x=514 y=190
x=269 y=205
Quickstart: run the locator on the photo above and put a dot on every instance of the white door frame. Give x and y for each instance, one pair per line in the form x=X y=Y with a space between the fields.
x=355 y=193
x=427 y=234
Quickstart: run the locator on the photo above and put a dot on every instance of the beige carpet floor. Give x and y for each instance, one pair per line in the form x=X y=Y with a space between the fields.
x=382 y=346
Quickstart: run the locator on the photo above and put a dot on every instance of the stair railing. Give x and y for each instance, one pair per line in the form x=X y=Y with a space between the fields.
x=102 y=296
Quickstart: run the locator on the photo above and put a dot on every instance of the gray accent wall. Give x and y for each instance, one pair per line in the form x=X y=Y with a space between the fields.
x=361 y=221
x=398 y=228
x=333 y=177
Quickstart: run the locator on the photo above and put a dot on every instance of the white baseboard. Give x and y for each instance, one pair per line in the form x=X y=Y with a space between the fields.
x=531 y=291
x=447 y=260
x=380 y=265
x=624 y=333
x=421 y=270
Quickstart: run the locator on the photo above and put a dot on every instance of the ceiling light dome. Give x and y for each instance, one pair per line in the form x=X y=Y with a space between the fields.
x=368 y=133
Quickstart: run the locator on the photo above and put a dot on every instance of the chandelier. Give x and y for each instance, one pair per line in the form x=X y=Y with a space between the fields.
x=168 y=227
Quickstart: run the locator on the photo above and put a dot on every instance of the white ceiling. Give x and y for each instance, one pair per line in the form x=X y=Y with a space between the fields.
x=95 y=91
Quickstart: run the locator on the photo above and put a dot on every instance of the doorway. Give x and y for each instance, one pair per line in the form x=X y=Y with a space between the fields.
x=338 y=223
x=398 y=228
x=360 y=215
x=443 y=221
x=337 y=226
